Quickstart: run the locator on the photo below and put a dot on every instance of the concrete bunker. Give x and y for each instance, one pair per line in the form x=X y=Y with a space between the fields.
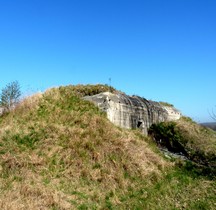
x=133 y=111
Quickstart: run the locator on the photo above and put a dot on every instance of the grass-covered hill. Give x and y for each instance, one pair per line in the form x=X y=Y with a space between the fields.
x=58 y=151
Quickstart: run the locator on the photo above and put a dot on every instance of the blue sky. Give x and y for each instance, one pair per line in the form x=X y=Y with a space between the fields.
x=163 y=50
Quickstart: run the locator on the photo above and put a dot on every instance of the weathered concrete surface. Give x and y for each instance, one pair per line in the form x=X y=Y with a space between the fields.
x=1 y=111
x=133 y=111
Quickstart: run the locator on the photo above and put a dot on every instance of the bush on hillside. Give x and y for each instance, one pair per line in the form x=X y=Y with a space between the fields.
x=185 y=136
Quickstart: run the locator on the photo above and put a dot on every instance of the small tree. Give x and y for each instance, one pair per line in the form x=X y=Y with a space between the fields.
x=213 y=114
x=10 y=95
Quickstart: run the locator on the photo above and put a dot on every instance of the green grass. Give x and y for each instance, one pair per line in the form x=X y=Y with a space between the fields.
x=166 y=104
x=58 y=151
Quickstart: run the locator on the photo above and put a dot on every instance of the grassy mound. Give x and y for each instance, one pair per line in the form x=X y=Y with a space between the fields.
x=56 y=142
x=58 y=151
x=196 y=142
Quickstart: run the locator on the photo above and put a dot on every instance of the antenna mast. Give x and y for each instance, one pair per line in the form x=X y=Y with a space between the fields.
x=110 y=80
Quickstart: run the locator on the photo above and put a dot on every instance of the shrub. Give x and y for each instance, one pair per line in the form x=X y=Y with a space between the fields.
x=186 y=137
x=10 y=95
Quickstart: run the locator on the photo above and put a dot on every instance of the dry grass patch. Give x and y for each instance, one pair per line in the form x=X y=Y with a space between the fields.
x=198 y=136
x=29 y=195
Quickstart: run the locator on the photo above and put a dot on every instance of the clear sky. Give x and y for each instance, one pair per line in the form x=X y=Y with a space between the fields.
x=163 y=50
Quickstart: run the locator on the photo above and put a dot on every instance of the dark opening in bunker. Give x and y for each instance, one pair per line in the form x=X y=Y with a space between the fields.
x=139 y=123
